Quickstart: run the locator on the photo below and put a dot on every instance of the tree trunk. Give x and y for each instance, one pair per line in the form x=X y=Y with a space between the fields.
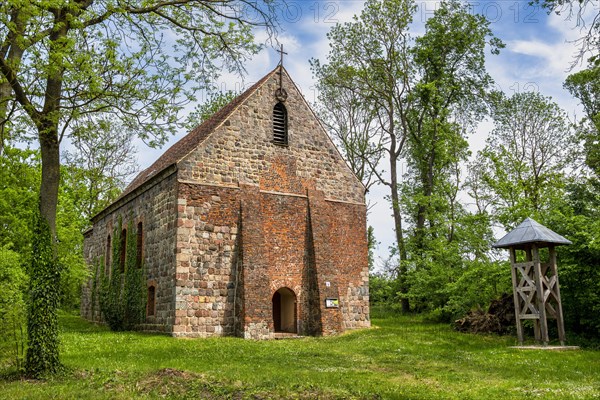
x=427 y=176
x=5 y=96
x=50 y=176
x=42 y=320
x=402 y=270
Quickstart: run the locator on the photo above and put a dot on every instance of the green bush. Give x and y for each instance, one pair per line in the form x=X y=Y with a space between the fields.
x=134 y=291
x=13 y=282
x=122 y=294
x=382 y=289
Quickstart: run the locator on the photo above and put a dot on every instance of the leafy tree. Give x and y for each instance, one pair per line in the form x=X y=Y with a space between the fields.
x=453 y=86
x=451 y=94
x=585 y=86
x=455 y=276
x=399 y=98
x=204 y=111
x=382 y=289
x=68 y=59
x=13 y=281
x=371 y=57
x=19 y=182
x=578 y=219
x=20 y=176
x=525 y=159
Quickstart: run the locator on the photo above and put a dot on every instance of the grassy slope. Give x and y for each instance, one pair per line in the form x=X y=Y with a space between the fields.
x=400 y=358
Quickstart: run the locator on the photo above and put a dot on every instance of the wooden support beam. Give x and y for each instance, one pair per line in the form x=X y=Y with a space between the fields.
x=556 y=293
x=516 y=296
x=543 y=322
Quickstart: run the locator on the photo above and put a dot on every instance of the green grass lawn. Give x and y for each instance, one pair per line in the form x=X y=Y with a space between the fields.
x=399 y=358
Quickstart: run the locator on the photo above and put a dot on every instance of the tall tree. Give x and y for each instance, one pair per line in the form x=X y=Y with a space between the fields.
x=100 y=162
x=371 y=57
x=525 y=158
x=401 y=97
x=450 y=95
x=139 y=61
x=585 y=86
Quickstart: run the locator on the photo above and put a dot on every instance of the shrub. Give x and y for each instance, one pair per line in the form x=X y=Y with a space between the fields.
x=13 y=281
x=122 y=295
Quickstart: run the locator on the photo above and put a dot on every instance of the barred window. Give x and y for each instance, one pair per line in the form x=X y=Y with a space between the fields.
x=280 y=125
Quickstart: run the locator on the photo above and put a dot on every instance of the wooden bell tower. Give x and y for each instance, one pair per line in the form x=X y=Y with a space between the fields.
x=535 y=281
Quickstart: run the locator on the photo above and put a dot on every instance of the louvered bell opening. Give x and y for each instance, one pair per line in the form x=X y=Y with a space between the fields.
x=280 y=124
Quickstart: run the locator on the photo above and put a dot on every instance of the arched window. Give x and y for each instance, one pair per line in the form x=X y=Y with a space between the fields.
x=123 y=249
x=151 y=304
x=140 y=248
x=108 y=252
x=280 y=125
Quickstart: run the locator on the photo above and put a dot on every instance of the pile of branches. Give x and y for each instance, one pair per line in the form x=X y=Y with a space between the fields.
x=499 y=318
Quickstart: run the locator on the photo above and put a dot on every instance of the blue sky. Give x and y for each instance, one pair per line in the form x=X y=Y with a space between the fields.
x=538 y=54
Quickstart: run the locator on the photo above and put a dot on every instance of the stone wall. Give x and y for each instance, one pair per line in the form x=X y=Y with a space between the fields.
x=156 y=209
x=341 y=264
x=237 y=246
x=348 y=244
x=242 y=150
x=315 y=247
x=205 y=287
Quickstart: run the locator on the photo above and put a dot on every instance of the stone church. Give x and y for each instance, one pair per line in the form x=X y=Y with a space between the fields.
x=252 y=225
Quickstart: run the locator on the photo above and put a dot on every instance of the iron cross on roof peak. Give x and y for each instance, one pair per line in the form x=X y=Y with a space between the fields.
x=281 y=93
x=281 y=53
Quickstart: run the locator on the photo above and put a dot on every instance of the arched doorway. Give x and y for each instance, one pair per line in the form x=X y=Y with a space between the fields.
x=284 y=311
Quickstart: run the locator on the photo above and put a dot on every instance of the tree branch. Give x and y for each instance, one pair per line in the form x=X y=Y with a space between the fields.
x=20 y=94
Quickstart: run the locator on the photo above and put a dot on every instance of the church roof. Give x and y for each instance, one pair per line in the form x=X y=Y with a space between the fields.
x=190 y=141
x=530 y=231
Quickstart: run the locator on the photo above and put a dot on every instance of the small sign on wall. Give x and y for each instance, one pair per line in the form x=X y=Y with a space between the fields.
x=332 y=303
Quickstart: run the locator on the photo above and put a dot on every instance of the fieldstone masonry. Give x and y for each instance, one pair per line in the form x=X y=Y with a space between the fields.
x=231 y=218
x=156 y=209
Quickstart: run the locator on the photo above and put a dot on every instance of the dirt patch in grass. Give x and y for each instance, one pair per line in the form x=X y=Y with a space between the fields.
x=177 y=384
x=173 y=383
